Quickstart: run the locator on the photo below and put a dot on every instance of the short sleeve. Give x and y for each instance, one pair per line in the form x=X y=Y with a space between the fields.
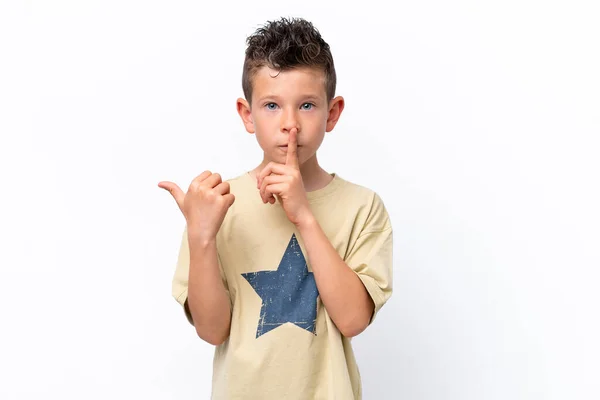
x=179 y=287
x=371 y=255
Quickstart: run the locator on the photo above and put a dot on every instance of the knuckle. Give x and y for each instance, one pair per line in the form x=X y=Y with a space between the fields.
x=210 y=194
x=202 y=177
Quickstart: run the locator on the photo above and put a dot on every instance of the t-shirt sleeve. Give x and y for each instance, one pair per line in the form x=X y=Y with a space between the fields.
x=371 y=255
x=181 y=276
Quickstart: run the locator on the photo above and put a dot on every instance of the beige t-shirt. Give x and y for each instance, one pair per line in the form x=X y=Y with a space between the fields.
x=282 y=342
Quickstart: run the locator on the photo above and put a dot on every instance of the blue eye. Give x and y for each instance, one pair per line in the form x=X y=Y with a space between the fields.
x=310 y=105
x=268 y=105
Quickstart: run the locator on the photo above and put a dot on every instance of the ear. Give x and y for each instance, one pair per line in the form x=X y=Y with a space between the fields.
x=243 y=108
x=336 y=106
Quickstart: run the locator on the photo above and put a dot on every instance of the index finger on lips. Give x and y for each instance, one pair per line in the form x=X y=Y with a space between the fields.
x=292 y=149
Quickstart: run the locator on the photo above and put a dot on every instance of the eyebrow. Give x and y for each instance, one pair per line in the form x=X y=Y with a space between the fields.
x=305 y=97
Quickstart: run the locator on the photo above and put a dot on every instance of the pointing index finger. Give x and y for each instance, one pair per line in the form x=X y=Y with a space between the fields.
x=292 y=149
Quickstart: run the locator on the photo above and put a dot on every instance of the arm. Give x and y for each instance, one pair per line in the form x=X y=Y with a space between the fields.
x=208 y=301
x=197 y=284
x=351 y=304
x=342 y=292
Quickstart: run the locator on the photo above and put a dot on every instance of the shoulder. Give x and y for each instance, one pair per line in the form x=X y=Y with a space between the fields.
x=241 y=186
x=362 y=193
x=237 y=180
x=370 y=204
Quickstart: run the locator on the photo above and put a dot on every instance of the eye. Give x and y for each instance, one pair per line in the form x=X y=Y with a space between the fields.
x=271 y=106
x=307 y=106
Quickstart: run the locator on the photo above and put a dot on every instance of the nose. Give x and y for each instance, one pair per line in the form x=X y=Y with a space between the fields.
x=289 y=120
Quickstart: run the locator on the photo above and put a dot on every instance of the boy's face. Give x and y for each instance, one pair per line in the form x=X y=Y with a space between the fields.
x=283 y=100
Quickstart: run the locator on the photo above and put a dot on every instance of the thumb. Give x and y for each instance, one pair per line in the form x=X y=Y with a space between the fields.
x=175 y=191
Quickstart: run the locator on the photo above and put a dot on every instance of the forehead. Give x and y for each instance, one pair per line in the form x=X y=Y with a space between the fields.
x=296 y=81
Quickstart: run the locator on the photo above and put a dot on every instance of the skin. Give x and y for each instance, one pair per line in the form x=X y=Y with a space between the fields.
x=285 y=100
x=291 y=108
x=289 y=115
x=204 y=206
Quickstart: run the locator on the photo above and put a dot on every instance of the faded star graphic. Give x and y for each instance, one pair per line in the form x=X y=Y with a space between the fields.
x=288 y=294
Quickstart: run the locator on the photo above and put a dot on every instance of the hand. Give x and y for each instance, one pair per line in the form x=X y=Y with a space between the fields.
x=285 y=182
x=204 y=205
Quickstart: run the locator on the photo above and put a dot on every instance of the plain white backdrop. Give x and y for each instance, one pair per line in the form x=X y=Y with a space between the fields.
x=477 y=122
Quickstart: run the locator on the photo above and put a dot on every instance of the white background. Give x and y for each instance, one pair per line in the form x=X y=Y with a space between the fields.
x=476 y=121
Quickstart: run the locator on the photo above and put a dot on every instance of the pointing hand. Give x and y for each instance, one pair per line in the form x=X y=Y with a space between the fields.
x=204 y=205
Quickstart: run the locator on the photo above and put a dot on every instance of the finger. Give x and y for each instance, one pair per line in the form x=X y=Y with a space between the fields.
x=202 y=176
x=272 y=168
x=271 y=179
x=222 y=188
x=267 y=197
x=175 y=191
x=212 y=181
x=199 y=180
x=229 y=199
x=275 y=189
x=266 y=171
x=274 y=179
x=292 y=150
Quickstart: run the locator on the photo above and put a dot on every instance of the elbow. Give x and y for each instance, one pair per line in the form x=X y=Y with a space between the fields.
x=357 y=323
x=218 y=341
x=213 y=333
x=213 y=338
x=354 y=327
x=353 y=330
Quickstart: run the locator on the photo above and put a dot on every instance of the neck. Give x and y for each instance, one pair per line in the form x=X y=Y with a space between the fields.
x=313 y=176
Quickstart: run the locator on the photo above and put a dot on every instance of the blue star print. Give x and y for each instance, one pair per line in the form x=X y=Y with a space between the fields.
x=289 y=294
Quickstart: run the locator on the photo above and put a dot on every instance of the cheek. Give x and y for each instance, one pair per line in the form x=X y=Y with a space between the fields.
x=264 y=125
x=263 y=139
x=266 y=141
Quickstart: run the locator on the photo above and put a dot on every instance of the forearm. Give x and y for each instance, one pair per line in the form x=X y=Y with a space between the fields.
x=341 y=290
x=207 y=299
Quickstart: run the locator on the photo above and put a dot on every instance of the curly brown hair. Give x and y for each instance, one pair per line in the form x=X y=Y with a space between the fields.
x=286 y=44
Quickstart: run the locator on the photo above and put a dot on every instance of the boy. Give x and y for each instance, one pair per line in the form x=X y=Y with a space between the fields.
x=282 y=265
